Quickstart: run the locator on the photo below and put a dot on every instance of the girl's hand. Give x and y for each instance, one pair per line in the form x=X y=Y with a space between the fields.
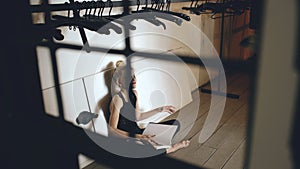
x=144 y=139
x=169 y=109
x=142 y=136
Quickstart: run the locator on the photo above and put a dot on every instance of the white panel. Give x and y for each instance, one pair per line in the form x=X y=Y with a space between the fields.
x=50 y=102
x=149 y=42
x=97 y=87
x=74 y=64
x=196 y=71
x=45 y=67
x=73 y=98
x=67 y=61
x=162 y=83
x=111 y=41
x=74 y=101
x=150 y=37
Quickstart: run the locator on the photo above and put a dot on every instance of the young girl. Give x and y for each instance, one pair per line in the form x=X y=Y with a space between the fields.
x=124 y=111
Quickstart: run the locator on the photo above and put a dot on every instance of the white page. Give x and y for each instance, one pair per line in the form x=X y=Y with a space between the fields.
x=155 y=119
x=163 y=133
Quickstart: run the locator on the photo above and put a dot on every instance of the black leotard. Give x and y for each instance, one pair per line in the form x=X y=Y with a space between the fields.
x=127 y=117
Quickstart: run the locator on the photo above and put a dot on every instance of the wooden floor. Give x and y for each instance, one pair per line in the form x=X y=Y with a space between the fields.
x=225 y=149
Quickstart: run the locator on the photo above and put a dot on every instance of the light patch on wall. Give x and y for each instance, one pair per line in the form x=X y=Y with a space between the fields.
x=161 y=83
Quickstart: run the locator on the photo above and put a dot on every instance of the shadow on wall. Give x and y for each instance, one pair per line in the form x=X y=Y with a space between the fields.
x=103 y=104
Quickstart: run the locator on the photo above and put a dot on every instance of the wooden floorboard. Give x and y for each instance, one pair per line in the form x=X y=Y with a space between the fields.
x=235 y=134
x=205 y=104
x=231 y=106
x=234 y=111
x=218 y=137
x=236 y=161
x=225 y=149
x=198 y=156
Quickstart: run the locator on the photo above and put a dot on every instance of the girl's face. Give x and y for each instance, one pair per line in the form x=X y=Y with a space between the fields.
x=133 y=80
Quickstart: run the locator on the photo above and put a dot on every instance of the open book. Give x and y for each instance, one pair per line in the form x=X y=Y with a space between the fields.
x=163 y=134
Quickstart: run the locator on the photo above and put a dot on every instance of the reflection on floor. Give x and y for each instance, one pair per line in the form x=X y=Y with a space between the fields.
x=225 y=149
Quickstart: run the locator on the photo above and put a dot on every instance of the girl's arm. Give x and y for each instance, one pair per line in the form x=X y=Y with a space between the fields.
x=143 y=115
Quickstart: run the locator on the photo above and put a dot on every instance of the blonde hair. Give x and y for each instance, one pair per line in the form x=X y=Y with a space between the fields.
x=120 y=63
x=117 y=74
x=119 y=69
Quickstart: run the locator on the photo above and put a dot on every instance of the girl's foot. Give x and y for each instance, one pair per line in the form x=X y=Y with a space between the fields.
x=178 y=146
